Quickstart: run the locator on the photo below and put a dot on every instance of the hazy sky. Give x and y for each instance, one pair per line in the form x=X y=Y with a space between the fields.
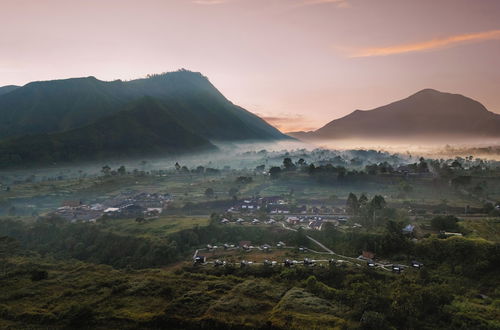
x=298 y=63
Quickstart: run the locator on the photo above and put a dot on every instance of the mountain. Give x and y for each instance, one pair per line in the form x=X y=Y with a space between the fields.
x=426 y=114
x=7 y=89
x=145 y=127
x=59 y=105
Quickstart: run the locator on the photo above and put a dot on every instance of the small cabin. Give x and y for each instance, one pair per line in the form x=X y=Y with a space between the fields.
x=367 y=255
x=308 y=262
x=416 y=264
x=397 y=268
x=200 y=260
x=266 y=247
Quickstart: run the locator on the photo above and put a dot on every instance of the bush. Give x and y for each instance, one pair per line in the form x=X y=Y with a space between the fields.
x=448 y=223
x=38 y=275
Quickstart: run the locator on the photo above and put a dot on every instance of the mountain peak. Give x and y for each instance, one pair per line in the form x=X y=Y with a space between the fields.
x=429 y=91
x=428 y=113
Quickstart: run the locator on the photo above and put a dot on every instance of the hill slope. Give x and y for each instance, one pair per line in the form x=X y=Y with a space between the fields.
x=58 y=105
x=426 y=114
x=7 y=89
x=144 y=128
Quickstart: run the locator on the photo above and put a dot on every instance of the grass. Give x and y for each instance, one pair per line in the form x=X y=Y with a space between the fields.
x=487 y=228
x=299 y=307
x=77 y=294
x=161 y=226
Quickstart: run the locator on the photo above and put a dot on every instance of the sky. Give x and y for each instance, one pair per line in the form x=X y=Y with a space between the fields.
x=297 y=63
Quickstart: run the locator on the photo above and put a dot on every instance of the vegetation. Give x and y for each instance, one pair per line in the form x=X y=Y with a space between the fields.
x=134 y=272
x=144 y=129
x=189 y=98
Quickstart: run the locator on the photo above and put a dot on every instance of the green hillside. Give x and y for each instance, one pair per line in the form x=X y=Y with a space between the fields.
x=58 y=105
x=7 y=89
x=144 y=128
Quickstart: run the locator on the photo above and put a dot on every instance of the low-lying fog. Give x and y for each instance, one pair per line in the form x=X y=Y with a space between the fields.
x=355 y=154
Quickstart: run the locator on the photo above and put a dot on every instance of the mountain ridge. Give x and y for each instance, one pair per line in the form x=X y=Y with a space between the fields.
x=144 y=128
x=7 y=89
x=426 y=114
x=59 y=105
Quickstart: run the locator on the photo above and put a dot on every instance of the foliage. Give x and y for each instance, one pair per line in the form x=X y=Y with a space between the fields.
x=448 y=222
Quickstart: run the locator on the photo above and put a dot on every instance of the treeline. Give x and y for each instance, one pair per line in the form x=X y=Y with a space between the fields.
x=97 y=244
x=469 y=257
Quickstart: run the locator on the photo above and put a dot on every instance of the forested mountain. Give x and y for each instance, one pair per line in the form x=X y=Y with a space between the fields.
x=145 y=127
x=7 y=89
x=426 y=114
x=59 y=105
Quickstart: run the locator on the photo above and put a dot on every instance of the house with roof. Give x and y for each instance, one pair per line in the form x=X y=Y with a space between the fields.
x=245 y=244
x=408 y=229
x=367 y=255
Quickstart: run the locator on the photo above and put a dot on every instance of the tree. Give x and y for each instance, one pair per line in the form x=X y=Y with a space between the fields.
x=448 y=223
x=209 y=192
x=363 y=200
x=106 y=170
x=288 y=164
x=352 y=204
x=300 y=237
x=456 y=164
x=121 y=170
x=311 y=169
x=377 y=202
x=275 y=172
x=394 y=241
x=422 y=166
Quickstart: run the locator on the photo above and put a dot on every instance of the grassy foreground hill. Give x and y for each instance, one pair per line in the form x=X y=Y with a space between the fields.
x=128 y=281
x=144 y=128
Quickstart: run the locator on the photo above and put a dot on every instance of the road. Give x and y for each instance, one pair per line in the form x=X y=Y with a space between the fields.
x=311 y=239
x=320 y=245
x=336 y=254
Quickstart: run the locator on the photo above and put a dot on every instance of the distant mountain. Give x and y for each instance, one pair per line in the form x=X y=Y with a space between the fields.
x=7 y=89
x=144 y=128
x=426 y=114
x=59 y=105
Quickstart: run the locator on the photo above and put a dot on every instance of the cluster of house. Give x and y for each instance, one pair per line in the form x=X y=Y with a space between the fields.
x=122 y=206
x=369 y=257
x=254 y=221
x=277 y=205
x=245 y=245
x=315 y=222
x=272 y=204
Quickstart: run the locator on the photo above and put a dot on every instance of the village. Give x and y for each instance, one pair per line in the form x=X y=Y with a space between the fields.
x=125 y=205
